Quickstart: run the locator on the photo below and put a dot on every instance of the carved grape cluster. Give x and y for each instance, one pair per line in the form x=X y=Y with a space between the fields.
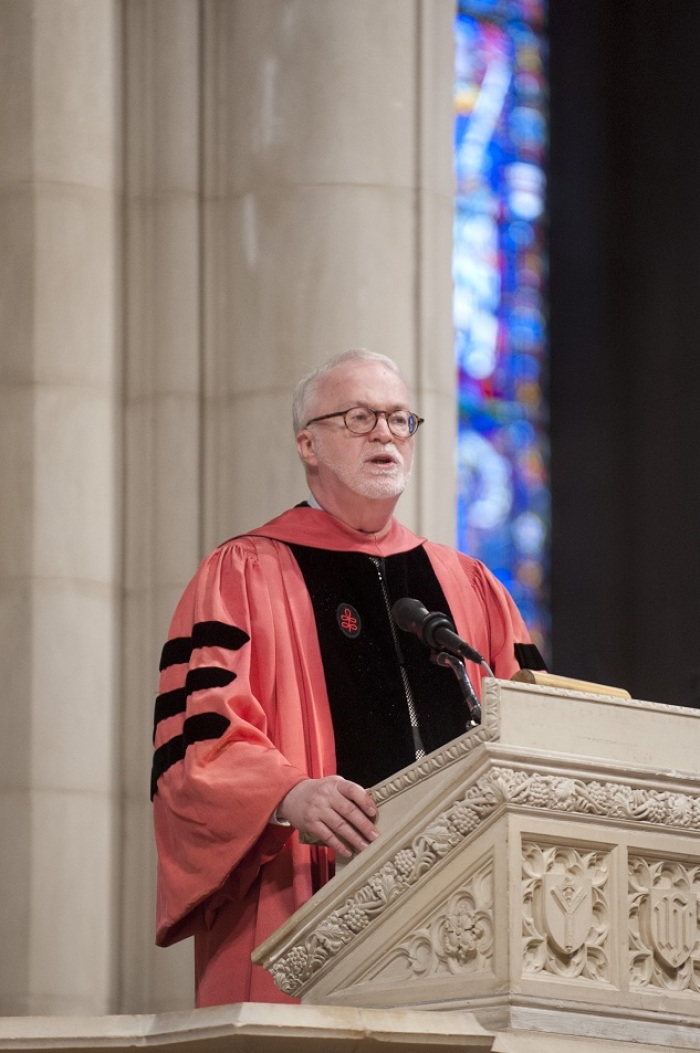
x=355 y=918
x=597 y=797
x=539 y=791
x=292 y=970
x=465 y=819
x=404 y=861
x=654 y=809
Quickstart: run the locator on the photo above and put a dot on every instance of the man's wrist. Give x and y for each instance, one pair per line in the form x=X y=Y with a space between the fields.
x=276 y=819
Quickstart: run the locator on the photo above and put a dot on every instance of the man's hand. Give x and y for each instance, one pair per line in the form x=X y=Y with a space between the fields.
x=337 y=812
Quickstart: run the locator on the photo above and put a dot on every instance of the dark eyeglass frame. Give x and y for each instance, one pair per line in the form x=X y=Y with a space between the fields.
x=386 y=414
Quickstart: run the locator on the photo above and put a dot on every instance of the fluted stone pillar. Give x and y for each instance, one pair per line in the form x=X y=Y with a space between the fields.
x=328 y=210
x=199 y=200
x=162 y=479
x=288 y=198
x=59 y=382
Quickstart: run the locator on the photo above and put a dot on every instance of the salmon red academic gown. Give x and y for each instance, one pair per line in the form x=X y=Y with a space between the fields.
x=243 y=714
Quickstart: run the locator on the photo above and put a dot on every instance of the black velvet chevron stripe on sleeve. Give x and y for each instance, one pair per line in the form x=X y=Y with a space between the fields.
x=199 y=726
x=204 y=634
x=170 y=703
x=529 y=657
x=195 y=729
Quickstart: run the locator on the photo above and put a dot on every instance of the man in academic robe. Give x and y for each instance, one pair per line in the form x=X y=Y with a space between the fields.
x=286 y=689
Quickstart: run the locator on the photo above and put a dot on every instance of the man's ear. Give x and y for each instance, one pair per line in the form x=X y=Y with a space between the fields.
x=305 y=447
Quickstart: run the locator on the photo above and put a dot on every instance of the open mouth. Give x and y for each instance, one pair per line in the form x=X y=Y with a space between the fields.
x=383 y=460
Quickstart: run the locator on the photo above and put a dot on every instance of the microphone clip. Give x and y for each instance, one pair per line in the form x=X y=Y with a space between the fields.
x=456 y=664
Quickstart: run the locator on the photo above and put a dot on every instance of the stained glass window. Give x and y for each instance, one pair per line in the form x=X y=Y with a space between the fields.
x=500 y=270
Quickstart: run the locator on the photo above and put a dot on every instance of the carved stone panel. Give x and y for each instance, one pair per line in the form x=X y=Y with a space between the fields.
x=457 y=938
x=664 y=928
x=566 y=912
x=499 y=883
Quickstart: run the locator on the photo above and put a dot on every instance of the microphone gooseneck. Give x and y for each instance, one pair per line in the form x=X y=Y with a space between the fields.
x=457 y=666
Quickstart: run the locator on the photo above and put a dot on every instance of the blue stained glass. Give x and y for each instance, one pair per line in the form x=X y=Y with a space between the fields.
x=500 y=269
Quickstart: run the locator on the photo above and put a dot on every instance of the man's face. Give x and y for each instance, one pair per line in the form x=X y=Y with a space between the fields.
x=375 y=465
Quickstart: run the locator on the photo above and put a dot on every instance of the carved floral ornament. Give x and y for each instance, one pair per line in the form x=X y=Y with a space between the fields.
x=607 y=800
x=456 y=939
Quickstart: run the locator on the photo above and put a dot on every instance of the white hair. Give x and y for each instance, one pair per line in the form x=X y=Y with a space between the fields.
x=305 y=390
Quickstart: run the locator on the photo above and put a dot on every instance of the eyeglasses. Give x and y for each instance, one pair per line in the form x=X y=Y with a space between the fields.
x=360 y=420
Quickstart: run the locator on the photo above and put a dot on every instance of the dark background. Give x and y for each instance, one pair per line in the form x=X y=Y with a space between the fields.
x=624 y=204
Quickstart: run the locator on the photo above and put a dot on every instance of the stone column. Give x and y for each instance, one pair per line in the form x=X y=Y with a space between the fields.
x=327 y=166
x=59 y=383
x=162 y=487
x=302 y=204
x=287 y=194
x=434 y=371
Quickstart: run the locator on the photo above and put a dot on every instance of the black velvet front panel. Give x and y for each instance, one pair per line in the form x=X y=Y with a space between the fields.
x=362 y=654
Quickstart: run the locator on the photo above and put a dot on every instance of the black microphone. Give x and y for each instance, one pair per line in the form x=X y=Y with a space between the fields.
x=435 y=630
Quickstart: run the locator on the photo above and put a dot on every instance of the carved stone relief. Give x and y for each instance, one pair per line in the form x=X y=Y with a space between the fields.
x=458 y=938
x=566 y=912
x=664 y=924
x=442 y=836
x=607 y=800
x=562 y=890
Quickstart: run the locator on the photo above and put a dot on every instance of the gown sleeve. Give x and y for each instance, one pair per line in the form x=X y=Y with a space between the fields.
x=231 y=686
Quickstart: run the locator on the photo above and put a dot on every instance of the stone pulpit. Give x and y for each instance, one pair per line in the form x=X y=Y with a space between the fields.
x=542 y=873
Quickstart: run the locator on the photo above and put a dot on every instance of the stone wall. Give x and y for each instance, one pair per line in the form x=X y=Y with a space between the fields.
x=199 y=200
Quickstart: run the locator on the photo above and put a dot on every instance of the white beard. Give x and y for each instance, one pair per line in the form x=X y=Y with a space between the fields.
x=366 y=479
